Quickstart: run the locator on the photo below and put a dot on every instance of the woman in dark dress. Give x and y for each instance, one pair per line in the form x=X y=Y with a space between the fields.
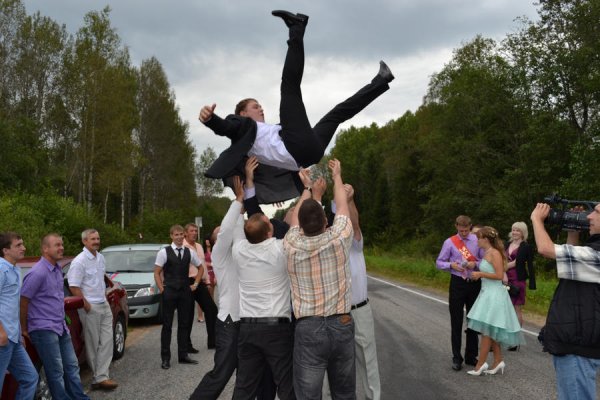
x=520 y=265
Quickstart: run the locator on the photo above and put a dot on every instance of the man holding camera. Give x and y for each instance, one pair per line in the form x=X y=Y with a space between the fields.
x=571 y=333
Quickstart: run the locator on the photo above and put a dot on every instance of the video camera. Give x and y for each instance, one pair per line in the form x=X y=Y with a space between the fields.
x=565 y=216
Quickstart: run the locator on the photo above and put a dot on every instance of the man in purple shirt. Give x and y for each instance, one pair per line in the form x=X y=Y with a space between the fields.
x=43 y=320
x=460 y=256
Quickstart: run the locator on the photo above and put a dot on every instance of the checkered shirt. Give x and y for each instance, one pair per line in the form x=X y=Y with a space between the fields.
x=577 y=263
x=319 y=271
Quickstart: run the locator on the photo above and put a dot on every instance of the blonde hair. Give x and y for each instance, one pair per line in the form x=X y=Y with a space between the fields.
x=522 y=227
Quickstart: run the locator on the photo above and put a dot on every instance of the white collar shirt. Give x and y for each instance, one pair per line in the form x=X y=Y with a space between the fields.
x=358 y=271
x=224 y=266
x=264 y=281
x=269 y=149
x=161 y=256
x=87 y=273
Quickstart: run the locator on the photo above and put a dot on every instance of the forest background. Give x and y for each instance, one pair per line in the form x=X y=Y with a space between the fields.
x=90 y=140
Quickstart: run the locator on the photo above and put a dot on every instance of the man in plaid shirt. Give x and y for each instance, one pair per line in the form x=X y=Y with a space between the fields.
x=320 y=278
x=571 y=334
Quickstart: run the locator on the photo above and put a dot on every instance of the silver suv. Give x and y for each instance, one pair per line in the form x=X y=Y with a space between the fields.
x=133 y=266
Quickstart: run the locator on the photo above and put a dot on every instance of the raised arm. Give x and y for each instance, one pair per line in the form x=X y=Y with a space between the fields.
x=223 y=127
x=306 y=194
x=250 y=200
x=339 y=193
x=353 y=211
x=544 y=243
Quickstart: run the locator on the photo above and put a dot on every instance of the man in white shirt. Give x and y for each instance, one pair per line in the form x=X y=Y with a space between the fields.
x=201 y=294
x=171 y=272
x=266 y=332
x=228 y=318
x=282 y=149
x=86 y=279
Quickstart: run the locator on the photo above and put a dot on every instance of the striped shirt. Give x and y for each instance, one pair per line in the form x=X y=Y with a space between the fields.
x=577 y=263
x=319 y=271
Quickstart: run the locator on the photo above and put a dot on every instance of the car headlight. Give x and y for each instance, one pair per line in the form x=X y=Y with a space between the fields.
x=147 y=291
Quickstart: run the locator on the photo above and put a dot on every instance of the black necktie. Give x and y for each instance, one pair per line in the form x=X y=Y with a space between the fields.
x=179 y=254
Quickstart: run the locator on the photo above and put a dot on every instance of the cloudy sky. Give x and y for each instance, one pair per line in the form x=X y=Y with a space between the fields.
x=223 y=51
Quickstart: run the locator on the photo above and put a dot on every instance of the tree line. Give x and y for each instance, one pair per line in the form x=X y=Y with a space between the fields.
x=503 y=124
x=79 y=121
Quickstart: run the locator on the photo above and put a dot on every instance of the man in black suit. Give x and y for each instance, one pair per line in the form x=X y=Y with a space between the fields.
x=171 y=270
x=283 y=149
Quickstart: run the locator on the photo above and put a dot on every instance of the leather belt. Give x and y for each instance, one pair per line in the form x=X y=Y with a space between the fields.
x=320 y=317
x=359 y=305
x=266 y=321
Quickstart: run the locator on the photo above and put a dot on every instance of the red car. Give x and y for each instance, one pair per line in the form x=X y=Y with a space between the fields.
x=116 y=297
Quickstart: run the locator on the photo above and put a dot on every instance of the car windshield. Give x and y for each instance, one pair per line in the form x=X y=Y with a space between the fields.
x=130 y=260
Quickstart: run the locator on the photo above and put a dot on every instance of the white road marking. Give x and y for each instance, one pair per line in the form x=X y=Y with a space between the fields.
x=430 y=297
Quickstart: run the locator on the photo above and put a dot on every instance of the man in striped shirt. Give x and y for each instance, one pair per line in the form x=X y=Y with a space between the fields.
x=321 y=291
x=571 y=334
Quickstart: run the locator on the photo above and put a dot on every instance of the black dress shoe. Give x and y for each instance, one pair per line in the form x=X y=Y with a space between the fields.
x=192 y=350
x=165 y=364
x=472 y=362
x=291 y=19
x=187 y=360
x=385 y=72
x=456 y=366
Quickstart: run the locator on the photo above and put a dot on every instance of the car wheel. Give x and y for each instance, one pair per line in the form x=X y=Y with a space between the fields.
x=42 y=392
x=119 y=335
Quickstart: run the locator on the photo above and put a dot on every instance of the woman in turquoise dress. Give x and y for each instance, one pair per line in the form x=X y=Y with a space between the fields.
x=493 y=314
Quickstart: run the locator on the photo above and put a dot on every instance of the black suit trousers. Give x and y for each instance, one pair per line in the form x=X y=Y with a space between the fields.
x=175 y=299
x=462 y=294
x=204 y=299
x=305 y=143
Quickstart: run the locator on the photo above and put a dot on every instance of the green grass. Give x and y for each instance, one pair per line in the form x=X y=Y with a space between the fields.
x=422 y=271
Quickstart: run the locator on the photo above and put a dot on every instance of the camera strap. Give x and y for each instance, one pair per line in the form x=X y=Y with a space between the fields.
x=462 y=248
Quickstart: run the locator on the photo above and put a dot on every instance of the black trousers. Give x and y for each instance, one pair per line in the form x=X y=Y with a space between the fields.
x=226 y=360
x=305 y=143
x=260 y=346
x=462 y=294
x=175 y=299
x=206 y=302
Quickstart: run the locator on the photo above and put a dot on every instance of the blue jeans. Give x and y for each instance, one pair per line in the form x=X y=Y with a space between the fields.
x=14 y=358
x=60 y=364
x=576 y=377
x=324 y=344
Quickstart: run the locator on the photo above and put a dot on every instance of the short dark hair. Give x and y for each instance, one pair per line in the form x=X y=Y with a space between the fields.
x=256 y=229
x=312 y=217
x=6 y=239
x=241 y=106
x=463 y=220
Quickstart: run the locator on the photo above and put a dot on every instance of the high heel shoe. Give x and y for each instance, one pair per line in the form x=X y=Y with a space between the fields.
x=500 y=367
x=514 y=348
x=478 y=371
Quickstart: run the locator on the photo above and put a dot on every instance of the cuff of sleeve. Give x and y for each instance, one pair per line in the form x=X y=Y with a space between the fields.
x=249 y=192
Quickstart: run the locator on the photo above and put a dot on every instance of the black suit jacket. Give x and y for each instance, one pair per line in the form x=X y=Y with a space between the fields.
x=272 y=184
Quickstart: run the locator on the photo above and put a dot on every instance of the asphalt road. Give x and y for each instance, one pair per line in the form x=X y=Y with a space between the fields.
x=413 y=345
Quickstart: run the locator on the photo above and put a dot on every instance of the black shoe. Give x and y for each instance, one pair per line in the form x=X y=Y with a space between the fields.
x=192 y=350
x=291 y=19
x=456 y=366
x=187 y=360
x=166 y=364
x=513 y=348
x=385 y=72
x=472 y=362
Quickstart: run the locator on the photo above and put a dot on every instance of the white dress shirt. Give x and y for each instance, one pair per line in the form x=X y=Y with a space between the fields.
x=358 y=271
x=87 y=273
x=269 y=149
x=161 y=256
x=224 y=267
x=264 y=280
